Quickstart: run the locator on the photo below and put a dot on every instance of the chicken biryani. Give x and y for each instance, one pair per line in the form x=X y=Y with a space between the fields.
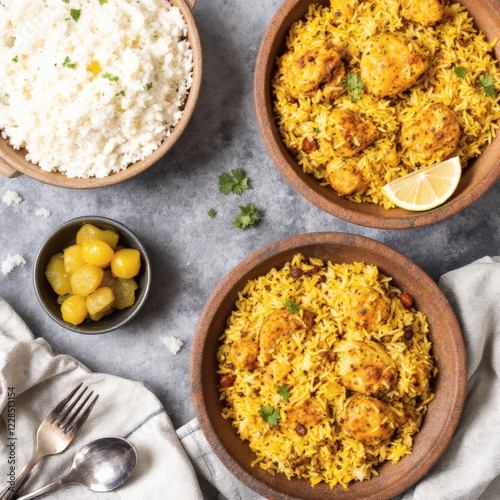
x=369 y=91
x=326 y=370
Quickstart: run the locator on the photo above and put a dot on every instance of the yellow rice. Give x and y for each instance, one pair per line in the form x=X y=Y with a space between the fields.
x=326 y=453
x=453 y=42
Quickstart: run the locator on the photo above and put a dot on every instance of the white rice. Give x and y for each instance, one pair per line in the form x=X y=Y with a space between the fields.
x=11 y=262
x=77 y=122
x=173 y=344
x=11 y=198
x=42 y=212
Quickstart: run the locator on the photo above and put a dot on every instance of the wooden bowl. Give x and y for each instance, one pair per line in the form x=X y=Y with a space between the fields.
x=13 y=162
x=477 y=178
x=448 y=347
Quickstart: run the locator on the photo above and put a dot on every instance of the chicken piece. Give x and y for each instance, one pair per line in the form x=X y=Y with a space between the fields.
x=243 y=354
x=367 y=369
x=391 y=64
x=335 y=87
x=277 y=327
x=423 y=12
x=342 y=9
x=369 y=313
x=276 y=371
x=389 y=155
x=307 y=71
x=308 y=413
x=434 y=135
x=350 y=133
x=368 y=420
x=347 y=180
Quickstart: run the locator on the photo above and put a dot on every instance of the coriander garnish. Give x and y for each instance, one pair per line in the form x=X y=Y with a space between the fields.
x=15 y=59
x=212 y=213
x=292 y=306
x=283 y=392
x=236 y=183
x=248 y=217
x=149 y=86
x=68 y=64
x=270 y=415
x=110 y=77
x=460 y=71
x=75 y=14
x=354 y=83
x=488 y=84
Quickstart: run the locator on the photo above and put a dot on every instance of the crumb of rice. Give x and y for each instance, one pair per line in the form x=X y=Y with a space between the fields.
x=11 y=198
x=43 y=212
x=11 y=262
x=172 y=343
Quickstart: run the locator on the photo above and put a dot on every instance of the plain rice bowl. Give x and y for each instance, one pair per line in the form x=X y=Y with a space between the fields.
x=90 y=87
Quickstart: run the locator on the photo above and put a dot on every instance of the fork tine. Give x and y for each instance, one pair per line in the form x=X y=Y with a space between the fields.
x=66 y=411
x=75 y=427
x=57 y=410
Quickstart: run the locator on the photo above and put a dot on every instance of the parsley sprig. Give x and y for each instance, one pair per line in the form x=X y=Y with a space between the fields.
x=235 y=183
x=460 y=71
x=270 y=415
x=248 y=217
x=354 y=83
x=68 y=64
x=488 y=84
x=292 y=306
x=283 y=392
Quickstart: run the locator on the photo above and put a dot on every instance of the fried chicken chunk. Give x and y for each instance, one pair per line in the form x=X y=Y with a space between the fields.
x=391 y=64
x=434 y=135
x=347 y=180
x=367 y=368
x=310 y=412
x=277 y=327
x=371 y=312
x=318 y=65
x=368 y=420
x=350 y=133
x=243 y=354
x=276 y=371
x=423 y=12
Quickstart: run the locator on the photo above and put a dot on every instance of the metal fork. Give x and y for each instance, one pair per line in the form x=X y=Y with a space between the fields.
x=56 y=433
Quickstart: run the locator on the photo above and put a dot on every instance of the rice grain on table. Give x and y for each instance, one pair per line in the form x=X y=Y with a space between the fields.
x=90 y=87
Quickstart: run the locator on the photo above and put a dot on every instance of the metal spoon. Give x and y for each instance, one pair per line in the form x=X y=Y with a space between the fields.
x=102 y=465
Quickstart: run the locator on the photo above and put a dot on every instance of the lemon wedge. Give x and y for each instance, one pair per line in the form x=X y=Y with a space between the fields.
x=425 y=188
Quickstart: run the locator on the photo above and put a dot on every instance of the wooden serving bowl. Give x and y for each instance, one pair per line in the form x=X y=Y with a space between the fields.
x=13 y=162
x=448 y=347
x=477 y=178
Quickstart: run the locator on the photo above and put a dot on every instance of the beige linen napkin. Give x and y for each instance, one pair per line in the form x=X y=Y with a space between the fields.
x=125 y=408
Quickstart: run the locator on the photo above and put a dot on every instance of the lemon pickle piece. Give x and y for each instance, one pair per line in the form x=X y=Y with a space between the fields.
x=100 y=300
x=124 y=290
x=100 y=315
x=57 y=276
x=73 y=310
x=86 y=280
x=98 y=253
x=126 y=263
x=73 y=258
x=108 y=279
x=88 y=232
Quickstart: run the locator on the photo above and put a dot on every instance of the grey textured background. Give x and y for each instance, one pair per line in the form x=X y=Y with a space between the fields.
x=167 y=208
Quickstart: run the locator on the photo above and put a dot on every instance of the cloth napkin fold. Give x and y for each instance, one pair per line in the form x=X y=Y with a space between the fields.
x=468 y=470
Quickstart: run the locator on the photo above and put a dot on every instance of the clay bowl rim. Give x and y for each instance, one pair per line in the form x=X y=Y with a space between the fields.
x=308 y=186
x=15 y=163
x=268 y=257
x=118 y=318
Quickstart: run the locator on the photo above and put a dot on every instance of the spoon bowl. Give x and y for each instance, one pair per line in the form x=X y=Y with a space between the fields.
x=102 y=465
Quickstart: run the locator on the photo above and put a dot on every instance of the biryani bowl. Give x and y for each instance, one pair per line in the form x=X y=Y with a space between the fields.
x=449 y=386
x=477 y=177
x=14 y=163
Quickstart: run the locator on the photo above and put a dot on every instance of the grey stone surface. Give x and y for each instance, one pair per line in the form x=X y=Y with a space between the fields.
x=167 y=208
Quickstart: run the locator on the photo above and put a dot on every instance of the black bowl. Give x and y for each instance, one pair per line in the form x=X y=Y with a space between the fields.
x=64 y=236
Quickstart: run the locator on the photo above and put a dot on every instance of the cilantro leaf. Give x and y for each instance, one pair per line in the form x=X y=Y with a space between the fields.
x=316 y=130
x=101 y=2
x=15 y=59
x=283 y=392
x=270 y=415
x=354 y=83
x=110 y=77
x=66 y=1
x=292 y=306
x=149 y=86
x=75 y=14
x=460 y=71
x=488 y=84
x=212 y=213
x=121 y=93
x=68 y=64
x=236 y=183
x=248 y=217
